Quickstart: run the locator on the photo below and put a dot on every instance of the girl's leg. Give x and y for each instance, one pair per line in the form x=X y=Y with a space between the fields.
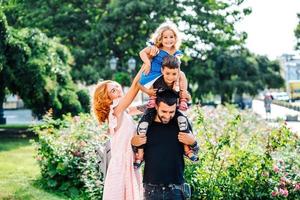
x=183 y=92
x=184 y=127
x=142 y=128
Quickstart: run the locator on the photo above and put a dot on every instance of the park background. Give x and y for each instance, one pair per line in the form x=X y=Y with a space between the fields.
x=53 y=52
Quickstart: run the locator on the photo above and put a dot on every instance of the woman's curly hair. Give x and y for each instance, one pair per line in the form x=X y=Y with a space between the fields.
x=101 y=101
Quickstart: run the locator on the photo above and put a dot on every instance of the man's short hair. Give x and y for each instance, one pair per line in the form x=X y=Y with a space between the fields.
x=170 y=62
x=167 y=96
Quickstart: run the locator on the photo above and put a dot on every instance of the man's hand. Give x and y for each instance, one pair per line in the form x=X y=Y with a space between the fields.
x=138 y=140
x=186 y=138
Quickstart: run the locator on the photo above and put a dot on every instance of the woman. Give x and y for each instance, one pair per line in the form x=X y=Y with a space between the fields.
x=122 y=181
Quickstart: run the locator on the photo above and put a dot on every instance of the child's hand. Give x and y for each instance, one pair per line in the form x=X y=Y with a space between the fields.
x=146 y=69
x=184 y=94
x=153 y=51
x=152 y=92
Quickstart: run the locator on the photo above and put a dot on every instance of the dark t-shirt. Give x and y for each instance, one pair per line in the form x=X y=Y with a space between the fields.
x=163 y=154
x=161 y=84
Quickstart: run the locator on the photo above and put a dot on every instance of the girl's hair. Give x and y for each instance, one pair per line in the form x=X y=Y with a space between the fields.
x=157 y=35
x=101 y=101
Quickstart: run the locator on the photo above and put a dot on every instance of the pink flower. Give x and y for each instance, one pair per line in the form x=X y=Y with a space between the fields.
x=274 y=193
x=284 y=192
x=275 y=168
x=76 y=119
x=282 y=181
x=82 y=144
x=297 y=187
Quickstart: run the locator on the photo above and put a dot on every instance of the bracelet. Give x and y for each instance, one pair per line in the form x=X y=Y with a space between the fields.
x=194 y=144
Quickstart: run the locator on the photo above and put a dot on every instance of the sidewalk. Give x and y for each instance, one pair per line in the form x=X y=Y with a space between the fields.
x=277 y=112
x=19 y=116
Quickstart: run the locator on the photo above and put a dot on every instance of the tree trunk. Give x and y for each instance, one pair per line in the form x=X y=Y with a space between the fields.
x=2 y=96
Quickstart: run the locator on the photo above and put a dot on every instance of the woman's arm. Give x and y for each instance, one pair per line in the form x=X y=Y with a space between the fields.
x=127 y=99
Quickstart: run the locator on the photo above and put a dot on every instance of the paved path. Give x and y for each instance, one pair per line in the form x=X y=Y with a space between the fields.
x=277 y=112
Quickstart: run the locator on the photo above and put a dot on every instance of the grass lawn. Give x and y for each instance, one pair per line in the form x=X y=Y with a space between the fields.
x=19 y=172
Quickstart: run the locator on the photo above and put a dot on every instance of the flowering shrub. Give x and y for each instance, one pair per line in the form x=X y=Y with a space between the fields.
x=68 y=155
x=237 y=154
x=241 y=157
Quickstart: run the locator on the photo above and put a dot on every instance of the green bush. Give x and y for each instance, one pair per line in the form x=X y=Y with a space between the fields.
x=238 y=152
x=68 y=155
x=84 y=99
x=122 y=78
x=241 y=157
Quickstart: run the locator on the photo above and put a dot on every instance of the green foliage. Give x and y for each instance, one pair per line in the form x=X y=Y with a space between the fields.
x=68 y=155
x=297 y=34
x=97 y=30
x=229 y=72
x=38 y=70
x=240 y=156
x=237 y=155
x=123 y=78
x=84 y=98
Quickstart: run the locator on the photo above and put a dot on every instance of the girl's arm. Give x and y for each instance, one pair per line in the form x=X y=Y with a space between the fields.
x=145 y=57
x=146 y=54
x=129 y=96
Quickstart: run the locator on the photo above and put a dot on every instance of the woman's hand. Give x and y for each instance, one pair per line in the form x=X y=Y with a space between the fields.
x=138 y=140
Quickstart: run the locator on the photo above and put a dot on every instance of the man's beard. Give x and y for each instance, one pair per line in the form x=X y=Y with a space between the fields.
x=161 y=119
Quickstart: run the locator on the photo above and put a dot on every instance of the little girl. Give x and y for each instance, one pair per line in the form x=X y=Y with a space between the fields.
x=165 y=39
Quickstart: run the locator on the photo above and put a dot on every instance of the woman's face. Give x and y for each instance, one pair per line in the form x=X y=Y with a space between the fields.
x=114 y=90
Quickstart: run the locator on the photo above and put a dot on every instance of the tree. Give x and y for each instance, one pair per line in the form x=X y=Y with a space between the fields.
x=97 y=30
x=297 y=33
x=227 y=72
x=37 y=68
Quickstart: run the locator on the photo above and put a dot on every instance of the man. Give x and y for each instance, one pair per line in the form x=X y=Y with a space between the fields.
x=163 y=151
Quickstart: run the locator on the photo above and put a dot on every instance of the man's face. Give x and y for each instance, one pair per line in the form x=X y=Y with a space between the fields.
x=169 y=75
x=165 y=112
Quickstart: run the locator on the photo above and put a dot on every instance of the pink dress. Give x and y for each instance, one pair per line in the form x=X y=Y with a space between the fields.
x=122 y=181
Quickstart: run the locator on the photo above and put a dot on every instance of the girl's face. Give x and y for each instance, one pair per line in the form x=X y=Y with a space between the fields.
x=168 y=39
x=114 y=91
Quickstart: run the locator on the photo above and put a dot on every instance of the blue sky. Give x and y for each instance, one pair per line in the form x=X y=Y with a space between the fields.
x=271 y=26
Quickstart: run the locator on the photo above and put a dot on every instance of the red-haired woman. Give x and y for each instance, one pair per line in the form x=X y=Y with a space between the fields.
x=122 y=181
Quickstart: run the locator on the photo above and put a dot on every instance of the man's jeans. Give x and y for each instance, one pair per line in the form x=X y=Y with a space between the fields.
x=162 y=192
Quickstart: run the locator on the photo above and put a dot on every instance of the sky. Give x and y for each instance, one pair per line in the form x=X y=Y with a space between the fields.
x=270 y=26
